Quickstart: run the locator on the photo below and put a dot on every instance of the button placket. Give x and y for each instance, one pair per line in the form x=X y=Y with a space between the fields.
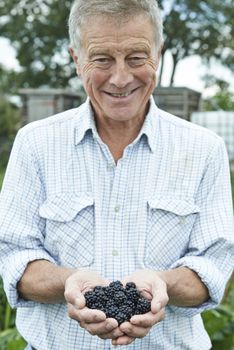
x=115 y=252
x=117 y=209
x=182 y=220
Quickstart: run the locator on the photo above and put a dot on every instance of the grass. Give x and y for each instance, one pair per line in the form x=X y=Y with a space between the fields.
x=232 y=180
x=2 y=172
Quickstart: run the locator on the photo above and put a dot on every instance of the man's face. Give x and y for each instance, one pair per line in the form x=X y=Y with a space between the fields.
x=117 y=64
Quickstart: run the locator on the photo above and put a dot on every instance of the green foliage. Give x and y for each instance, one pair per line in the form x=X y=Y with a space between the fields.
x=38 y=32
x=223 y=99
x=201 y=28
x=219 y=322
x=8 y=81
x=2 y=172
x=10 y=339
x=9 y=119
x=9 y=124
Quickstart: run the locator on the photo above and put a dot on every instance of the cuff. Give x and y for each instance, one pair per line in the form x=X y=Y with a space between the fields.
x=15 y=267
x=210 y=275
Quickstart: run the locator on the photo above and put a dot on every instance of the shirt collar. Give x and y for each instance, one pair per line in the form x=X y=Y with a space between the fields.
x=150 y=126
x=86 y=122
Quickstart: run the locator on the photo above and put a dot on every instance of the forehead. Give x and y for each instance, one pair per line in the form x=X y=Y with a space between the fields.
x=112 y=33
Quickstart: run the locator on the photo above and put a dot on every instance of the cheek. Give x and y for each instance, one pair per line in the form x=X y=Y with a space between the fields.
x=148 y=73
x=153 y=64
x=92 y=76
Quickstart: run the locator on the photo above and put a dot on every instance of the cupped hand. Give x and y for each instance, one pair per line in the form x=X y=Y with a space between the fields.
x=153 y=288
x=94 y=321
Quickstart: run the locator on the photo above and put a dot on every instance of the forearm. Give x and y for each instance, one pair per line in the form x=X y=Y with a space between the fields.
x=184 y=287
x=43 y=282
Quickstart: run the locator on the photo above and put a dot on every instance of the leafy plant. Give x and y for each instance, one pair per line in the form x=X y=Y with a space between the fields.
x=9 y=124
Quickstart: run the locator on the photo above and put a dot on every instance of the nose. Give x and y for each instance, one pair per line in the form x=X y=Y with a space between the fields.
x=121 y=74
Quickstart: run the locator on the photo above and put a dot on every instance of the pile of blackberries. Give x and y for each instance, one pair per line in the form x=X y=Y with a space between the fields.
x=118 y=302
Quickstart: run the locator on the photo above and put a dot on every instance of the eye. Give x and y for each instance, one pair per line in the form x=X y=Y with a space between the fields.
x=102 y=62
x=136 y=60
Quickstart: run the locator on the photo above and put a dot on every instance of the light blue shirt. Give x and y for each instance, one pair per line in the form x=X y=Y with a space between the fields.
x=166 y=203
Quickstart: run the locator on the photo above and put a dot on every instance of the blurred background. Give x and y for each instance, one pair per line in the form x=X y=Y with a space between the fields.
x=195 y=82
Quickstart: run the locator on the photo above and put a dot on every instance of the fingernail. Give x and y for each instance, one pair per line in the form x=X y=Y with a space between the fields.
x=109 y=327
x=78 y=303
x=157 y=307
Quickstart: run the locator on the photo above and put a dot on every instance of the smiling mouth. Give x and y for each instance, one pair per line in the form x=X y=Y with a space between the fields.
x=119 y=95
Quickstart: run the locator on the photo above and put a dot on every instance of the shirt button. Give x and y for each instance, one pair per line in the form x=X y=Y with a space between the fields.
x=110 y=166
x=117 y=208
x=115 y=252
x=182 y=221
x=95 y=136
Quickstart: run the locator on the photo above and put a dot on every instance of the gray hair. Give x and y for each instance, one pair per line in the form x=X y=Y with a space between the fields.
x=84 y=10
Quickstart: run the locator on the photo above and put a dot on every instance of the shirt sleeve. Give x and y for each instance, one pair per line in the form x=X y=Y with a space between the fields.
x=211 y=247
x=21 y=227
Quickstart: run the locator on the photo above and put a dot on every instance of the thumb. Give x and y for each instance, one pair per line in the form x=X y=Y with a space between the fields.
x=79 y=301
x=75 y=297
x=160 y=298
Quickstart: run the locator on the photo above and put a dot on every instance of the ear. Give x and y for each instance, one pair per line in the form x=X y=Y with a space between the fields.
x=160 y=50
x=158 y=54
x=76 y=60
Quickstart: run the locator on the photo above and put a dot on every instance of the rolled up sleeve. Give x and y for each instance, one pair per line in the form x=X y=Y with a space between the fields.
x=211 y=247
x=21 y=227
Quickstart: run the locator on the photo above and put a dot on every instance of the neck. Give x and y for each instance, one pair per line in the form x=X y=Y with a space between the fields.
x=118 y=135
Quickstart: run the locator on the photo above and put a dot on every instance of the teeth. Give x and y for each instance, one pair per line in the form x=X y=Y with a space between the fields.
x=121 y=95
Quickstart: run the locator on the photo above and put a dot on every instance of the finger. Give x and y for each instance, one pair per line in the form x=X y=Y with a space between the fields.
x=106 y=330
x=147 y=320
x=124 y=340
x=104 y=327
x=74 y=296
x=160 y=298
x=86 y=315
x=113 y=334
x=134 y=331
x=116 y=333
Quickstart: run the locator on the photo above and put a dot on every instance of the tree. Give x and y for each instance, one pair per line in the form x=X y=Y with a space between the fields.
x=8 y=81
x=198 y=28
x=223 y=99
x=38 y=31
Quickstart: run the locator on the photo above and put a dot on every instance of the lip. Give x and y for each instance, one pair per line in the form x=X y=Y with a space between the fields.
x=121 y=98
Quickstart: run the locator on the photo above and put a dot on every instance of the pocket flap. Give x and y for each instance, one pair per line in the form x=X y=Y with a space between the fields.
x=65 y=206
x=176 y=206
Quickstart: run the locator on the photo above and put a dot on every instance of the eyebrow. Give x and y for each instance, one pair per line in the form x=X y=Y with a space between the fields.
x=103 y=51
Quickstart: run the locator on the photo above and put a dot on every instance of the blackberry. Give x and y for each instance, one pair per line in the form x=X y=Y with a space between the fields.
x=120 y=318
x=116 y=285
x=119 y=298
x=117 y=302
x=98 y=289
x=133 y=295
x=90 y=298
x=129 y=312
x=112 y=311
x=130 y=304
x=143 y=306
x=109 y=292
x=130 y=285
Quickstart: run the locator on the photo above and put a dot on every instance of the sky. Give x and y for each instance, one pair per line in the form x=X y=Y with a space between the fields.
x=188 y=74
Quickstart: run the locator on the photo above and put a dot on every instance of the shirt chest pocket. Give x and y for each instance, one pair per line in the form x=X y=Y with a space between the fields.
x=169 y=225
x=70 y=228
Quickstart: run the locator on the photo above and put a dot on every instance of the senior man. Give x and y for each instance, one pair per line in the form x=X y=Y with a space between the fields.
x=116 y=189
